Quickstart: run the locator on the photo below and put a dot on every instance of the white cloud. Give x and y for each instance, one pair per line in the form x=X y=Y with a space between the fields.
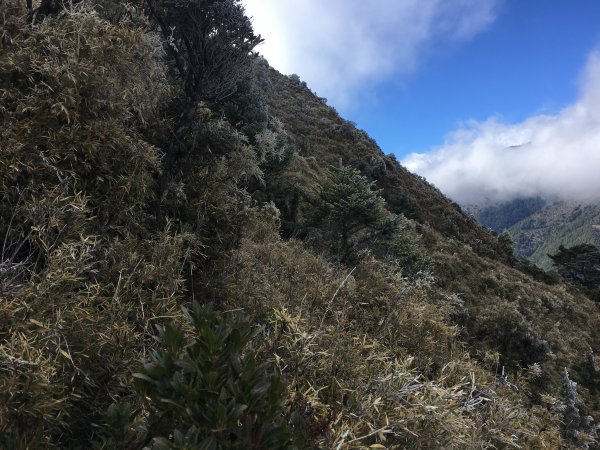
x=548 y=155
x=340 y=46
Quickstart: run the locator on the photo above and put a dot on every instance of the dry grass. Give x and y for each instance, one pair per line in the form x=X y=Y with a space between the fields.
x=94 y=256
x=373 y=355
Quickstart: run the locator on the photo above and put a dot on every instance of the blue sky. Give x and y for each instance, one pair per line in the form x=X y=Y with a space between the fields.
x=527 y=61
x=453 y=87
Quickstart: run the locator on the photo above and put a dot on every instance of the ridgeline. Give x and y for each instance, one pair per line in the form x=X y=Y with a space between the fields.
x=199 y=252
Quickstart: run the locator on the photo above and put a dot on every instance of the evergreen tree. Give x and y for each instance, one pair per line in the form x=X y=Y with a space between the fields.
x=210 y=42
x=579 y=265
x=349 y=210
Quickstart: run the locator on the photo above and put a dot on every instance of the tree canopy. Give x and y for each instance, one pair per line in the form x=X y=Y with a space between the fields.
x=346 y=205
x=579 y=264
x=210 y=42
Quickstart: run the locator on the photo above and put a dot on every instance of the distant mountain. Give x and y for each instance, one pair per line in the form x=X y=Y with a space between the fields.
x=500 y=217
x=560 y=223
x=538 y=227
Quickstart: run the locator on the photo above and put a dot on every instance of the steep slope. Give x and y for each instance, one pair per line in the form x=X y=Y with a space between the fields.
x=500 y=217
x=560 y=223
x=165 y=282
x=325 y=139
x=503 y=312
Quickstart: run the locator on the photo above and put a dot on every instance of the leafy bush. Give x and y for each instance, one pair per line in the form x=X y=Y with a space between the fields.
x=402 y=247
x=247 y=108
x=202 y=389
x=376 y=168
x=510 y=332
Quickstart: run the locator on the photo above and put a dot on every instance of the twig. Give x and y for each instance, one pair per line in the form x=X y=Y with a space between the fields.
x=334 y=296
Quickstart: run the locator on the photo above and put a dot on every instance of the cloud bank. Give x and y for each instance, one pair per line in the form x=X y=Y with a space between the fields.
x=341 y=46
x=554 y=156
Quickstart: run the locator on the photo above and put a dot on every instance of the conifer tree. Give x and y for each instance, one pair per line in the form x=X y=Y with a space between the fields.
x=348 y=208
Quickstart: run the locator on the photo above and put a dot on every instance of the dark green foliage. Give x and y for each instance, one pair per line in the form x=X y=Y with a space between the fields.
x=377 y=167
x=350 y=216
x=210 y=42
x=276 y=151
x=505 y=240
x=580 y=265
x=246 y=109
x=403 y=247
x=346 y=207
x=207 y=195
x=514 y=337
x=204 y=389
x=538 y=274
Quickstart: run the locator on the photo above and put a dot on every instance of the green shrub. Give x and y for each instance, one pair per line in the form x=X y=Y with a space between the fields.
x=203 y=389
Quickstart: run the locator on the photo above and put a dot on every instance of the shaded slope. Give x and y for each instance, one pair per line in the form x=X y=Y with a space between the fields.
x=499 y=217
x=324 y=138
x=561 y=223
x=510 y=321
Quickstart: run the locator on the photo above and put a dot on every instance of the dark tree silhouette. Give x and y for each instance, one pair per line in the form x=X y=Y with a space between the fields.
x=47 y=8
x=211 y=43
x=579 y=265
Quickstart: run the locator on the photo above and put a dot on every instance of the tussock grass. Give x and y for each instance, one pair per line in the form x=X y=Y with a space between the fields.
x=427 y=340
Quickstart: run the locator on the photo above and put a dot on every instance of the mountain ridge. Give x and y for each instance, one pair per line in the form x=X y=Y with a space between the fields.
x=187 y=269
x=539 y=227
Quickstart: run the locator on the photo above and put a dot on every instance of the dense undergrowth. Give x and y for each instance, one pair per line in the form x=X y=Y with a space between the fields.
x=248 y=270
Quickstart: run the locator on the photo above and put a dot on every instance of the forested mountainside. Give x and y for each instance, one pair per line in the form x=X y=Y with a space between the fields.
x=538 y=227
x=198 y=252
x=499 y=217
x=560 y=223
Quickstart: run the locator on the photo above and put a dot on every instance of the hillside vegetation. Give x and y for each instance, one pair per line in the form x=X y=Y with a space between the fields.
x=538 y=227
x=199 y=252
x=561 y=223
